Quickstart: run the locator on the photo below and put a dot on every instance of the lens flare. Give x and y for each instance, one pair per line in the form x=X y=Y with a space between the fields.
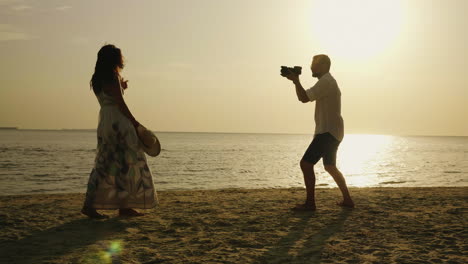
x=112 y=252
x=115 y=248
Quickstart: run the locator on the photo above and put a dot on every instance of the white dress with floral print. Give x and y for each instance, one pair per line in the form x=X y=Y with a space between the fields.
x=121 y=177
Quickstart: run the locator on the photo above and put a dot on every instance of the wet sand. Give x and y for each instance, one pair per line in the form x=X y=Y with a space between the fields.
x=389 y=225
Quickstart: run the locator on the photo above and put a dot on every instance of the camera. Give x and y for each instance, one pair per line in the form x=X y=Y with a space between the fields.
x=285 y=70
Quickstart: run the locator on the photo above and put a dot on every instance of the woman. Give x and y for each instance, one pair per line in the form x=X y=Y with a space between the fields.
x=121 y=178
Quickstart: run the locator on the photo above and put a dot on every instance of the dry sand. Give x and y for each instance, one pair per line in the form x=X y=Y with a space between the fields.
x=389 y=225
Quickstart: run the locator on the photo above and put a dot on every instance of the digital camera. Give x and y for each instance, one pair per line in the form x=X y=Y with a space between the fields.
x=285 y=70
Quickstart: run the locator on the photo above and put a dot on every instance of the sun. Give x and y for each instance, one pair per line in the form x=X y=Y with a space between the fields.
x=356 y=28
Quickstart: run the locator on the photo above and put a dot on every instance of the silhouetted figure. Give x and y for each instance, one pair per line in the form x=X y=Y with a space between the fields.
x=121 y=178
x=329 y=129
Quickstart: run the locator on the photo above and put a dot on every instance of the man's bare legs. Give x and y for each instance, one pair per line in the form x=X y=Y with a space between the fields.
x=309 y=180
x=341 y=182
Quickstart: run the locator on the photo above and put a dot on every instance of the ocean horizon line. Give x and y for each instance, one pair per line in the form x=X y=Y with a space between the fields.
x=223 y=132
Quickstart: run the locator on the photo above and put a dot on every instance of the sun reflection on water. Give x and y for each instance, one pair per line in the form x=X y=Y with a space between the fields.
x=358 y=155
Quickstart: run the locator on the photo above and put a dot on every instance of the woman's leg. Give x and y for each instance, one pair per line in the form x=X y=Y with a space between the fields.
x=87 y=209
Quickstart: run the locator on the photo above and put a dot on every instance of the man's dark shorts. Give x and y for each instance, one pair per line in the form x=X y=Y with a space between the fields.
x=323 y=146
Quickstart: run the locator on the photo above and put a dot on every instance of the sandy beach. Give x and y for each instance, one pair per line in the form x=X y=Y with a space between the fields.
x=389 y=225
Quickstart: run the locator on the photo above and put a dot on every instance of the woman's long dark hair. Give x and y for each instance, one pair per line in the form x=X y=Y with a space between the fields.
x=106 y=71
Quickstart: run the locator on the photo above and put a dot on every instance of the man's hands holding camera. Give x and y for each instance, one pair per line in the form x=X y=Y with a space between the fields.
x=291 y=73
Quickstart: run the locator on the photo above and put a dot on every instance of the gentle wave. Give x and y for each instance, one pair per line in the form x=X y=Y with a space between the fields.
x=393 y=182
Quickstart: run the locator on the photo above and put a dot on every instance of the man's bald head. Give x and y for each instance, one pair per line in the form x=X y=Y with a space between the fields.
x=320 y=65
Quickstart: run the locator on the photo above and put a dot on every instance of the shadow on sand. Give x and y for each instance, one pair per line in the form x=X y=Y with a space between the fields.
x=46 y=245
x=307 y=248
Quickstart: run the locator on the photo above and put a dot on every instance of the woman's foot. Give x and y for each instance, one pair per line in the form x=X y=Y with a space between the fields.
x=129 y=212
x=92 y=213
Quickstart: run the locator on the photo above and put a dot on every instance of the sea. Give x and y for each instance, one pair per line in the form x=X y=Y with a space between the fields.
x=59 y=161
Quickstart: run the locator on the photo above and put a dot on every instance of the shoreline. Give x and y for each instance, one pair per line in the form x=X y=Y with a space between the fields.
x=388 y=225
x=247 y=189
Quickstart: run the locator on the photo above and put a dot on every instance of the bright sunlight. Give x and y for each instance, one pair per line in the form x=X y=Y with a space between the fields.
x=356 y=29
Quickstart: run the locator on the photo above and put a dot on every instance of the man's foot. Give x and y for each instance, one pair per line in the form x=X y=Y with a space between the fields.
x=129 y=212
x=348 y=204
x=304 y=208
x=92 y=213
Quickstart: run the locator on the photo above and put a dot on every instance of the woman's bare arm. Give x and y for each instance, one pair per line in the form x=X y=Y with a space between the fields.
x=114 y=90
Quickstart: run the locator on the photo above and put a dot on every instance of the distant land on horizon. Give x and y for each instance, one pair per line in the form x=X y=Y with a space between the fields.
x=218 y=132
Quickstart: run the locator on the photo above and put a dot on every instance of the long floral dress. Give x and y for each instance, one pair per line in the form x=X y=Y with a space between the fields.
x=121 y=177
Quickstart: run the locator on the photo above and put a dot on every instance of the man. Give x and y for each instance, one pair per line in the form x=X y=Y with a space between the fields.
x=329 y=130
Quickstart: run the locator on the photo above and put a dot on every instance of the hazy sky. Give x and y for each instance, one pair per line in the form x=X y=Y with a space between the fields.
x=212 y=65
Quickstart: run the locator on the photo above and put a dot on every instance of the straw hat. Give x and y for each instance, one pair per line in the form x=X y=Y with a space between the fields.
x=149 y=141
